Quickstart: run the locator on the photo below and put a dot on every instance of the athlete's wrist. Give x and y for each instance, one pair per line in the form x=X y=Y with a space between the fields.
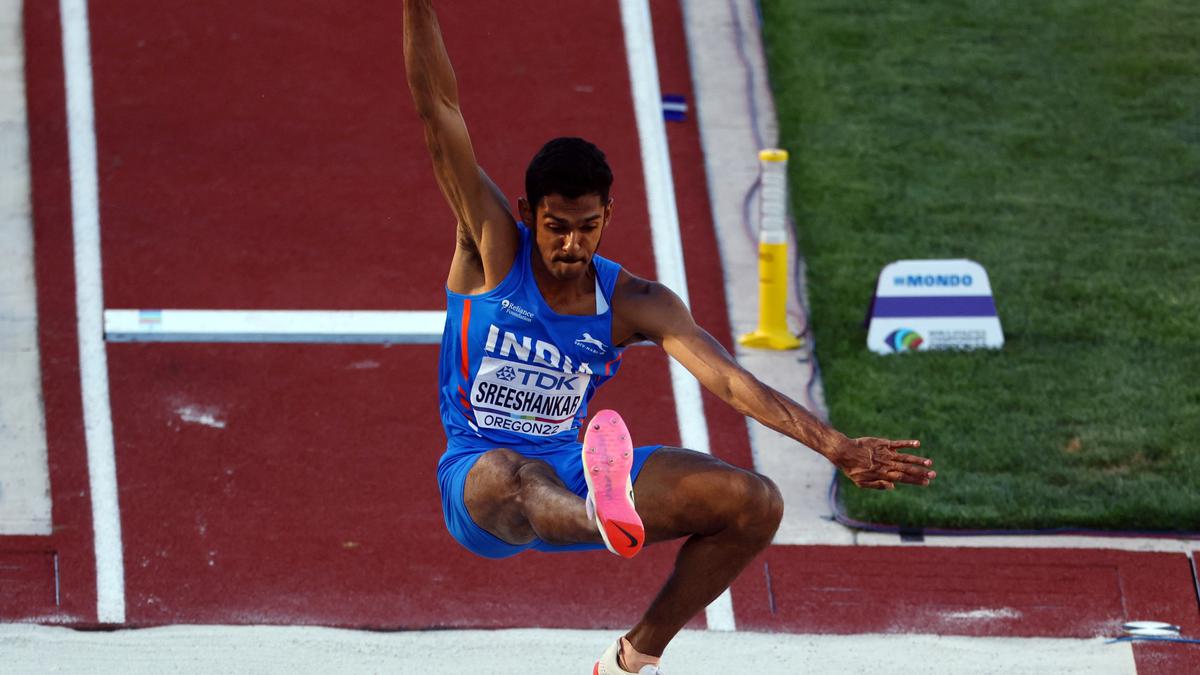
x=836 y=447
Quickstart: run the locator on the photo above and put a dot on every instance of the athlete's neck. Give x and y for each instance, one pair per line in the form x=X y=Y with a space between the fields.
x=565 y=296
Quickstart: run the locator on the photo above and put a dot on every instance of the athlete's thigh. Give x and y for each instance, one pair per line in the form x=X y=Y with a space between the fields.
x=491 y=493
x=683 y=492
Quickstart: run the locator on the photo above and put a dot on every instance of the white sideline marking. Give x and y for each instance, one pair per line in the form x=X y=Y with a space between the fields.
x=89 y=299
x=664 y=234
x=222 y=325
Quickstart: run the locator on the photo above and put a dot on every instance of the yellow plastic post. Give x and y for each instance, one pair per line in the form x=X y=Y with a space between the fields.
x=772 y=331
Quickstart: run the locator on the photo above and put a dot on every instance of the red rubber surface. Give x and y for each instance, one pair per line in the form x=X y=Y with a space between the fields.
x=306 y=508
x=962 y=591
x=1173 y=658
x=27 y=580
x=267 y=154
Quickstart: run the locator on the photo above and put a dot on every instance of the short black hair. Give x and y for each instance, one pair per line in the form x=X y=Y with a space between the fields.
x=568 y=166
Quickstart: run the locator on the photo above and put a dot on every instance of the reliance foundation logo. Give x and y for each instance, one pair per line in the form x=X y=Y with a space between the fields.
x=516 y=310
x=904 y=340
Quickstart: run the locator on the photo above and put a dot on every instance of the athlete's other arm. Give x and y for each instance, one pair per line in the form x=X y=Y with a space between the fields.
x=651 y=310
x=487 y=234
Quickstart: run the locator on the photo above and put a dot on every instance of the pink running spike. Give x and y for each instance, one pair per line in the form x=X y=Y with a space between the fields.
x=609 y=484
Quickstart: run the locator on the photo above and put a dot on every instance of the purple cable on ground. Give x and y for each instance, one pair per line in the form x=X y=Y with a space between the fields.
x=839 y=515
x=799 y=312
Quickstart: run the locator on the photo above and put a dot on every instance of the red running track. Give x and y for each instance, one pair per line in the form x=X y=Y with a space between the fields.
x=266 y=155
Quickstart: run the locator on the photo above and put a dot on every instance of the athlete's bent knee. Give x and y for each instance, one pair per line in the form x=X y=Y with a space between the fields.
x=492 y=496
x=760 y=507
x=774 y=504
x=507 y=477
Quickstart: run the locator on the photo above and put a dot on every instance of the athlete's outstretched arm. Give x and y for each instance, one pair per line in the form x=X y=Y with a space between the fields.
x=657 y=313
x=487 y=232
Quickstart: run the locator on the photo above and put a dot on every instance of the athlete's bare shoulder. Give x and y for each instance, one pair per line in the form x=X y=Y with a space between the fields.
x=484 y=254
x=646 y=310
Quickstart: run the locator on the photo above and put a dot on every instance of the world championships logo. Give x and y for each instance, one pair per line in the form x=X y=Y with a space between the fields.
x=904 y=340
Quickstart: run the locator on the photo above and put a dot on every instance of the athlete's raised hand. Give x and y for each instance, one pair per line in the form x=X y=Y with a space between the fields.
x=877 y=463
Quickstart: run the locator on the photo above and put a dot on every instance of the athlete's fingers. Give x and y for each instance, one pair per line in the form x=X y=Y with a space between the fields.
x=917 y=477
x=913 y=459
x=877 y=485
x=896 y=445
x=913 y=469
x=908 y=470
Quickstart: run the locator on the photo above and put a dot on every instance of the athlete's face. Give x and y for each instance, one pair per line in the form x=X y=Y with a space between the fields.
x=568 y=231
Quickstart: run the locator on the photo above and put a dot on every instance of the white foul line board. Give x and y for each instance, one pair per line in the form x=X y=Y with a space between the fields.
x=226 y=325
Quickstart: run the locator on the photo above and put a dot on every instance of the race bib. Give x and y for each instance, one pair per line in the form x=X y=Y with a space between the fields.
x=525 y=398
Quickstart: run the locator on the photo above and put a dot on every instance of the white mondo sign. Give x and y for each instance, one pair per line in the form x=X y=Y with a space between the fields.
x=933 y=304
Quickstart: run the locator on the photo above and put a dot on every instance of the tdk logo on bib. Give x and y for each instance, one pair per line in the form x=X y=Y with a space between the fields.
x=516 y=310
x=525 y=398
x=527 y=386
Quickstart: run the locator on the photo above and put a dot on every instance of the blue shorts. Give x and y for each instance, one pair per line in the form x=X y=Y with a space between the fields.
x=452 y=479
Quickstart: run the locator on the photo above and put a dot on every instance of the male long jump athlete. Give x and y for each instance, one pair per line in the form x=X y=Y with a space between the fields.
x=535 y=323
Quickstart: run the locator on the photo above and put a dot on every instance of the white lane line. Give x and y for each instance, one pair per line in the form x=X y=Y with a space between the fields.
x=89 y=299
x=664 y=231
x=223 y=325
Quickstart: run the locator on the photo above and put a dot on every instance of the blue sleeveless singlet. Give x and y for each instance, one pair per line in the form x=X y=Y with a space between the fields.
x=515 y=373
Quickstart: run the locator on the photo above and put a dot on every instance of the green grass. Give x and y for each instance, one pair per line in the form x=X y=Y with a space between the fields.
x=1057 y=142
